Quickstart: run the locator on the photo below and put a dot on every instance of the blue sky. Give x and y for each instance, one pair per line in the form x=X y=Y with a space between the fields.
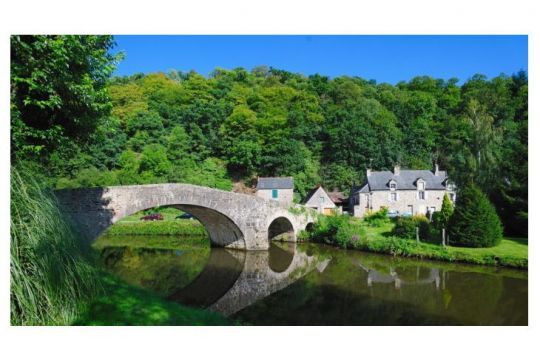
x=383 y=58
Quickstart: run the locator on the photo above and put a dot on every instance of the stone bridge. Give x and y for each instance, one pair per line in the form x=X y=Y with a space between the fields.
x=232 y=220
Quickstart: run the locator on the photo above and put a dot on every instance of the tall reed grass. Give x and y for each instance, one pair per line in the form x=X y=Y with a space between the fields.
x=52 y=276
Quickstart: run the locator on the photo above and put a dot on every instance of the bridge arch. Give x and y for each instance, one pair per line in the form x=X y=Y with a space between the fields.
x=281 y=228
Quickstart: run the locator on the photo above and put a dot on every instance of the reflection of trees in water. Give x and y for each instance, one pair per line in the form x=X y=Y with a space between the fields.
x=162 y=271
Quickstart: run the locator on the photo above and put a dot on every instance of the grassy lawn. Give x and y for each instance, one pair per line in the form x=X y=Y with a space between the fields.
x=511 y=252
x=123 y=304
x=132 y=225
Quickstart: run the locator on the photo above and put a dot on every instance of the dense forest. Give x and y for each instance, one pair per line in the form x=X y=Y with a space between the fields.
x=77 y=126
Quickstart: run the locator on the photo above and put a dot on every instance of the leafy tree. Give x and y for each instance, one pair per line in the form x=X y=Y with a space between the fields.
x=58 y=89
x=154 y=160
x=475 y=222
x=178 y=144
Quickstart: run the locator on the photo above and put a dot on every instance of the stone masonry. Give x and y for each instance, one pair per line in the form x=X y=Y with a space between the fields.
x=232 y=220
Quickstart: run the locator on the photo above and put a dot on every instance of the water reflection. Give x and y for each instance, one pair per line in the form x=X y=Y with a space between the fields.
x=318 y=285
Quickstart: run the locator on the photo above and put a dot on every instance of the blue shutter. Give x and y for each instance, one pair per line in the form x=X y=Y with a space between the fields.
x=274 y=194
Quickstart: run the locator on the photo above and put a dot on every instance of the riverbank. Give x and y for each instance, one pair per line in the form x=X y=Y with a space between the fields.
x=123 y=304
x=359 y=235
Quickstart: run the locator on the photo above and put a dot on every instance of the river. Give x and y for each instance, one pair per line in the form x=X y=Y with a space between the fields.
x=312 y=284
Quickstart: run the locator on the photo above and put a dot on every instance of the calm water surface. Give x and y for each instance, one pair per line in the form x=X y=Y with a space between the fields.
x=313 y=284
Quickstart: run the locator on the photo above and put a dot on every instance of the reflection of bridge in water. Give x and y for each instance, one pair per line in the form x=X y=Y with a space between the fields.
x=233 y=280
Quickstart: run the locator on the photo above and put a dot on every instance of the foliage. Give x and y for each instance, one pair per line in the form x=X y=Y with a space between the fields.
x=51 y=275
x=406 y=227
x=58 y=89
x=360 y=236
x=377 y=218
x=237 y=125
x=441 y=218
x=475 y=222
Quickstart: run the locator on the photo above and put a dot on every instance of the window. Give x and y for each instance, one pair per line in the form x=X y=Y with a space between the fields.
x=274 y=194
x=393 y=186
x=393 y=197
x=422 y=195
x=421 y=185
x=321 y=199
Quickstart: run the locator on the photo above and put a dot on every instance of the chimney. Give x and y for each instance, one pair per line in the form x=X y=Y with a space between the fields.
x=368 y=172
x=436 y=172
x=396 y=169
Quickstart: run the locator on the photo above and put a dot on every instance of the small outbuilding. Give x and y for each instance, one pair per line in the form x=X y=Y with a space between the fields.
x=276 y=188
x=318 y=199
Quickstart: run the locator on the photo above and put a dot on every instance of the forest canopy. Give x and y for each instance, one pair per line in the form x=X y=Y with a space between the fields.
x=83 y=128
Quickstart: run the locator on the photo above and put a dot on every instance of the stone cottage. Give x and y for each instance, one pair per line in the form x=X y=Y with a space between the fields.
x=319 y=199
x=403 y=192
x=276 y=188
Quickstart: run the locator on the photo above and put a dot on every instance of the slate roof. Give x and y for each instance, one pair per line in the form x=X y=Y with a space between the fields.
x=405 y=180
x=275 y=183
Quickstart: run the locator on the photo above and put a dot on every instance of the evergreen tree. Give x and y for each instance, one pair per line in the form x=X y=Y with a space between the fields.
x=441 y=218
x=475 y=222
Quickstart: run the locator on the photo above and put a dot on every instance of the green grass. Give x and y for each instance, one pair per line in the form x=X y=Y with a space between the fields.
x=124 y=304
x=132 y=225
x=511 y=252
x=159 y=227
x=52 y=277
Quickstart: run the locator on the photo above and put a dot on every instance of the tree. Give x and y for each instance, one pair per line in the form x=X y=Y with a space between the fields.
x=475 y=222
x=178 y=144
x=58 y=89
x=154 y=161
x=441 y=218
x=484 y=143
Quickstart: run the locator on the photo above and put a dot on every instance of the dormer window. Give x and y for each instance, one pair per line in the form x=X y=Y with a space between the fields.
x=420 y=185
x=393 y=185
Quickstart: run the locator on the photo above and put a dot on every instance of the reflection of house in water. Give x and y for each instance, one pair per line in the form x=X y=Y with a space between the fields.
x=375 y=276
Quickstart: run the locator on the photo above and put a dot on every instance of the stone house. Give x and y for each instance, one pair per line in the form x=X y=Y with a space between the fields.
x=403 y=192
x=276 y=188
x=319 y=199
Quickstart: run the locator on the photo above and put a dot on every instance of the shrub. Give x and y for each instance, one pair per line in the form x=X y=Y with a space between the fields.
x=337 y=230
x=349 y=234
x=377 y=218
x=474 y=222
x=406 y=227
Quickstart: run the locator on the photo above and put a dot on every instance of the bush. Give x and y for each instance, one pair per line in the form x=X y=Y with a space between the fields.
x=474 y=222
x=337 y=230
x=377 y=218
x=406 y=227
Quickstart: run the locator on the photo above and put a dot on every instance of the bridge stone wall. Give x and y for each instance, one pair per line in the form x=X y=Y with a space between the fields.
x=232 y=220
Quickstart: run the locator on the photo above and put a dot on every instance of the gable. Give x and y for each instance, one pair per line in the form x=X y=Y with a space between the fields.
x=314 y=199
